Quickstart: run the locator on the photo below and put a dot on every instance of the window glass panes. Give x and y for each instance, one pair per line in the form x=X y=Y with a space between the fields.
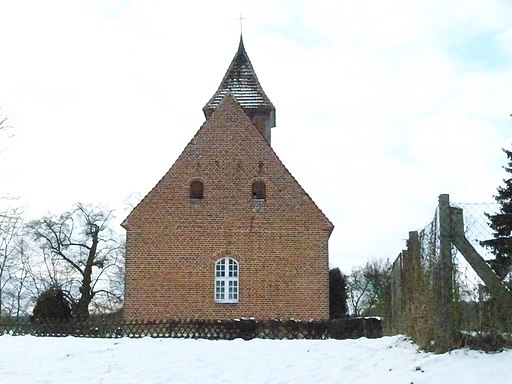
x=226 y=280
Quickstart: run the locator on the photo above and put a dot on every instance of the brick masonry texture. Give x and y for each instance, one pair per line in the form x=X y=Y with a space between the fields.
x=173 y=241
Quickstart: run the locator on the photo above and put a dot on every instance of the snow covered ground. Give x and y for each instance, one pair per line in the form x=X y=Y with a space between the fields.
x=27 y=359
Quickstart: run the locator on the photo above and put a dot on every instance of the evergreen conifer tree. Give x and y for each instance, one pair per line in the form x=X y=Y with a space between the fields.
x=337 y=294
x=501 y=224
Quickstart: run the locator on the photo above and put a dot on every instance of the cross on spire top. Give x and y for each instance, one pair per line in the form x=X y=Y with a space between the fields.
x=241 y=18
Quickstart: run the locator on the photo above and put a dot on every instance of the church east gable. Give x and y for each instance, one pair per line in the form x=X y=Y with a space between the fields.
x=227 y=232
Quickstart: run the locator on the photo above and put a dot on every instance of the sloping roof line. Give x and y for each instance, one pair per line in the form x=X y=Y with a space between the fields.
x=241 y=80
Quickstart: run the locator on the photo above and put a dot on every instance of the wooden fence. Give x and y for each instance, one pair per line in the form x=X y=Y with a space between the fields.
x=203 y=329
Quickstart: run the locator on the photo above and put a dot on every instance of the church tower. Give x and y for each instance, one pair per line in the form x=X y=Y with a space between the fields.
x=241 y=80
x=228 y=232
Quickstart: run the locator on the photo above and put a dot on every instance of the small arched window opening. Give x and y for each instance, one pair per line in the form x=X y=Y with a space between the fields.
x=259 y=190
x=196 y=189
x=226 y=280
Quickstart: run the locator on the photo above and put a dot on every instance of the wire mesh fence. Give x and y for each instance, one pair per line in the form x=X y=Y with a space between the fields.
x=437 y=290
x=476 y=224
x=476 y=229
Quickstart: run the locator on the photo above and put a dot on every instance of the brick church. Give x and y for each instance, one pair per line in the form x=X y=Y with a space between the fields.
x=228 y=232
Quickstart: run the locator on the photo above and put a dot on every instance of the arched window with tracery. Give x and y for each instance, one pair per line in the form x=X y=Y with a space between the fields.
x=226 y=280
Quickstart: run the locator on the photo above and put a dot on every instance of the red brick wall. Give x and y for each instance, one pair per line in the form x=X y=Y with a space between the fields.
x=280 y=243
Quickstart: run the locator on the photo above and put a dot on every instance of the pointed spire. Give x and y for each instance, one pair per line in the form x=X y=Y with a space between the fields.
x=241 y=48
x=241 y=80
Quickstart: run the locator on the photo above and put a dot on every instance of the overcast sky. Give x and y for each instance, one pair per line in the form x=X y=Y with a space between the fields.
x=381 y=105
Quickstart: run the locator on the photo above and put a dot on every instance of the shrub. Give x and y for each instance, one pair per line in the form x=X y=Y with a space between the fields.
x=52 y=306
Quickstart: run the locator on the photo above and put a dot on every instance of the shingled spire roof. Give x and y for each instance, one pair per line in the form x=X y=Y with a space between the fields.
x=241 y=80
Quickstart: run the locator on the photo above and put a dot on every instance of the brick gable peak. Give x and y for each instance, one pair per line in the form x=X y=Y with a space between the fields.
x=228 y=122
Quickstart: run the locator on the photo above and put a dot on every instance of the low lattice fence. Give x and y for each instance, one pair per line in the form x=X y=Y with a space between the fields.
x=203 y=329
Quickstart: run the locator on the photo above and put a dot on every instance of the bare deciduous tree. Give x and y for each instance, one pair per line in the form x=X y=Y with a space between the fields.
x=369 y=288
x=5 y=134
x=10 y=227
x=82 y=255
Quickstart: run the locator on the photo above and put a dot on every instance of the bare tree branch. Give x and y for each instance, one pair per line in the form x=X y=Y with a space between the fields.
x=81 y=239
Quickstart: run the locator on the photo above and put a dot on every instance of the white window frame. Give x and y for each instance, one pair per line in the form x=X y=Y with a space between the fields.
x=226 y=285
